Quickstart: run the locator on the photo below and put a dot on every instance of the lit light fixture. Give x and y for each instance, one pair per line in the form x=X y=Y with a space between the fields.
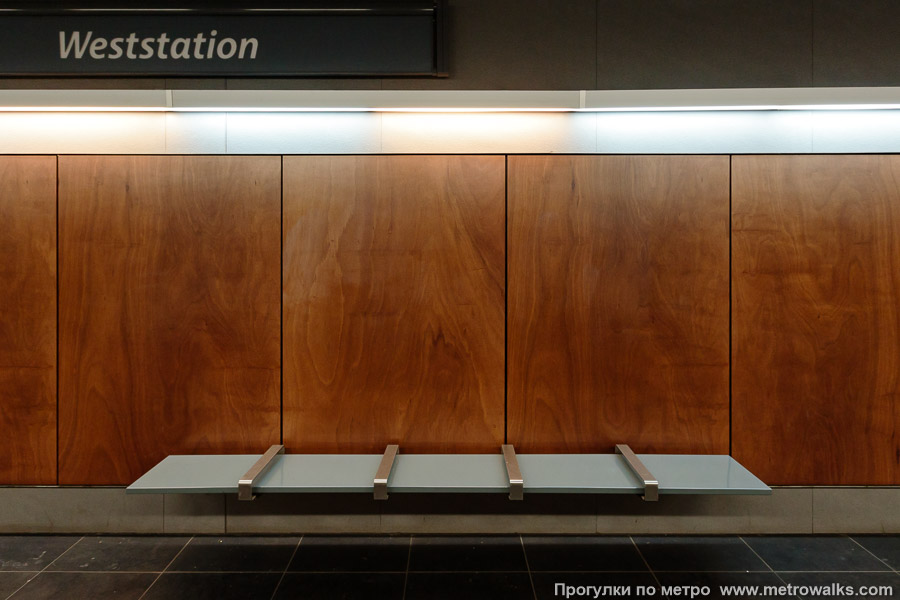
x=428 y=101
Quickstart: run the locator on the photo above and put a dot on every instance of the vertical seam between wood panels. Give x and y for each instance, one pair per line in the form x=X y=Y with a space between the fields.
x=281 y=306
x=730 y=308
x=57 y=319
x=505 y=298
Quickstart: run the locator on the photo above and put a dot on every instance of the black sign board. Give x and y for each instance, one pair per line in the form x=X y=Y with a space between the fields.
x=317 y=40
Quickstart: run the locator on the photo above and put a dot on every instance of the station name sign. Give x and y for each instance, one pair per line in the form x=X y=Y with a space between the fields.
x=82 y=45
x=323 y=42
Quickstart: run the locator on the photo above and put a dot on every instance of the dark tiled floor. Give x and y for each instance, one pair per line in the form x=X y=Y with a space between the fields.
x=583 y=553
x=883 y=547
x=103 y=553
x=337 y=586
x=697 y=554
x=214 y=586
x=345 y=554
x=435 y=567
x=821 y=553
x=229 y=554
x=450 y=553
x=475 y=586
x=127 y=586
x=10 y=582
x=33 y=552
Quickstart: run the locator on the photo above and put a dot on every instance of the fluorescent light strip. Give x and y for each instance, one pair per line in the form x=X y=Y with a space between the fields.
x=277 y=109
x=91 y=109
x=285 y=109
x=419 y=101
x=747 y=107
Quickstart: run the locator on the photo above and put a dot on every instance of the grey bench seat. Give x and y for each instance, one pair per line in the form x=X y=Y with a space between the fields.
x=451 y=473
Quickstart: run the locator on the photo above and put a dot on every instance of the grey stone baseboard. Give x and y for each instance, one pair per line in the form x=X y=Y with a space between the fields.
x=796 y=510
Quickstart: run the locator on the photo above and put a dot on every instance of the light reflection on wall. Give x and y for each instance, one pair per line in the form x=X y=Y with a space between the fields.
x=489 y=132
x=398 y=132
x=82 y=132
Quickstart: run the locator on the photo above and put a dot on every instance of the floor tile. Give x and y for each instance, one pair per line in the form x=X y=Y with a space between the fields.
x=472 y=586
x=856 y=580
x=266 y=554
x=11 y=581
x=441 y=566
x=214 y=586
x=102 y=553
x=582 y=553
x=340 y=553
x=337 y=586
x=814 y=553
x=716 y=581
x=545 y=584
x=78 y=586
x=32 y=552
x=452 y=553
x=698 y=554
x=885 y=547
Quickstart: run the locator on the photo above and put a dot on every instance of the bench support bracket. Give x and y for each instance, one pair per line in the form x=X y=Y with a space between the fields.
x=259 y=468
x=384 y=471
x=513 y=473
x=651 y=483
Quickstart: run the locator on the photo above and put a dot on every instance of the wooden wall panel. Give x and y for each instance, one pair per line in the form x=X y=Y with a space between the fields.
x=393 y=303
x=169 y=310
x=816 y=318
x=28 y=319
x=618 y=303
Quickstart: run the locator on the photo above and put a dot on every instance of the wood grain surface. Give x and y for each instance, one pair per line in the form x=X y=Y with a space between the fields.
x=816 y=318
x=393 y=303
x=169 y=310
x=618 y=303
x=28 y=319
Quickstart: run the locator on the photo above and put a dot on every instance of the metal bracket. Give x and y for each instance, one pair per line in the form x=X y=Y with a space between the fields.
x=384 y=471
x=259 y=468
x=516 y=483
x=651 y=483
